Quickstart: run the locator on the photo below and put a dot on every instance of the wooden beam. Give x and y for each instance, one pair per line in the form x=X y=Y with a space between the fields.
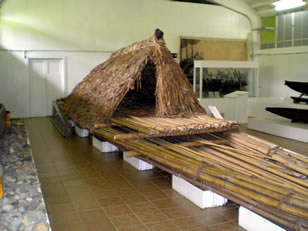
x=196 y=143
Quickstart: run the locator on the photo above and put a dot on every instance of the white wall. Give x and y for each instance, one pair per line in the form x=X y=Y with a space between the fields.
x=107 y=25
x=13 y=84
x=14 y=76
x=278 y=65
x=85 y=32
x=245 y=9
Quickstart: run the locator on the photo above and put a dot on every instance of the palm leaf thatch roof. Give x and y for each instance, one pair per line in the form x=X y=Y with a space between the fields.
x=142 y=79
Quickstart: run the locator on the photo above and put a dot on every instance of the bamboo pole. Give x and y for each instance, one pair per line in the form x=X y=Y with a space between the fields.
x=232 y=167
x=285 y=161
x=281 y=218
x=142 y=147
x=155 y=125
x=260 y=165
x=296 y=184
x=288 y=153
x=235 y=167
x=129 y=125
x=251 y=194
x=136 y=135
x=290 y=165
x=132 y=154
x=236 y=163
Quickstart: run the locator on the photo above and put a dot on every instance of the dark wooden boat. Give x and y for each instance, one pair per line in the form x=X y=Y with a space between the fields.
x=60 y=121
x=301 y=87
x=295 y=115
x=299 y=99
x=2 y=118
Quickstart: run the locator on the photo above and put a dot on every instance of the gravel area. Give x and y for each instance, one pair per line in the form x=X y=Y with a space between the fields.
x=22 y=207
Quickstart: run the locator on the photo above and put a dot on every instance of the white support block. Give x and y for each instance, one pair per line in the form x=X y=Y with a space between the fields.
x=81 y=132
x=104 y=146
x=254 y=222
x=202 y=198
x=233 y=106
x=280 y=127
x=136 y=163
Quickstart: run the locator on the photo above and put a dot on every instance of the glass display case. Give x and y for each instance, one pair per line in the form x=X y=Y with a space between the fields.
x=214 y=79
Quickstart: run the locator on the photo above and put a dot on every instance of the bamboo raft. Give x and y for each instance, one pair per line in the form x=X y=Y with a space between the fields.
x=257 y=174
x=141 y=100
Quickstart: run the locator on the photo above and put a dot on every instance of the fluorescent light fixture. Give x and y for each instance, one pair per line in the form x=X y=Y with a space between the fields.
x=288 y=4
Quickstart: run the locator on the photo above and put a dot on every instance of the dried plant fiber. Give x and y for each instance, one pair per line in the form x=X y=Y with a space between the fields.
x=141 y=79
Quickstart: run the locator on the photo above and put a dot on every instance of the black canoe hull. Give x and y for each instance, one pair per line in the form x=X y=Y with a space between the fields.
x=301 y=87
x=299 y=99
x=295 y=115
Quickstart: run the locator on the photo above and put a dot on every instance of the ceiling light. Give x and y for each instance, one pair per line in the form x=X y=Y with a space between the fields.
x=288 y=4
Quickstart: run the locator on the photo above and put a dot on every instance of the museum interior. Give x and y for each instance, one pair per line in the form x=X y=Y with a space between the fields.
x=154 y=115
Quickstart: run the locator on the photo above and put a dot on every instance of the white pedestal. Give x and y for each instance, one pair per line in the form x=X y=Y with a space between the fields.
x=202 y=198
x=280 y=127
x=136 y=163
x=257 y=105
x=81 y=132
x=233 y=106
x=254 y=222
x=104 y=146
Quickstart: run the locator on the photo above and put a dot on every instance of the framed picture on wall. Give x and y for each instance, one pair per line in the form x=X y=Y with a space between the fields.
x=194 y=48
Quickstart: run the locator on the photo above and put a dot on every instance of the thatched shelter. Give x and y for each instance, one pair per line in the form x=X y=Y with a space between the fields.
x=141 y=79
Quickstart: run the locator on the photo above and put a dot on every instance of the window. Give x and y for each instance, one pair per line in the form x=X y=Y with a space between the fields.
x=284 y=30
x=290 y=30
x=300 y=28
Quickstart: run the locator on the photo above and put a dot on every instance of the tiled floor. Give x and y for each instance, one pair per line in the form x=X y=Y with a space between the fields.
x=87 y=190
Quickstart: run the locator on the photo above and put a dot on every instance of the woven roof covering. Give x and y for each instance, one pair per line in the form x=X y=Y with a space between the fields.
x=141 y=79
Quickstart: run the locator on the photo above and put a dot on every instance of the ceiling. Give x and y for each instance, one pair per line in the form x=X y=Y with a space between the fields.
x=196 y=1
x=265 y=8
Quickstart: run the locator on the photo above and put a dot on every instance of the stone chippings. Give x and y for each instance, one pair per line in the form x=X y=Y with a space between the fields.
x=22 y=207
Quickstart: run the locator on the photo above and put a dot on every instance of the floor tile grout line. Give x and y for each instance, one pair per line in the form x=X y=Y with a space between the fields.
x=137 y=216
x=220 y=223
x=150 y=201
x=109 y=218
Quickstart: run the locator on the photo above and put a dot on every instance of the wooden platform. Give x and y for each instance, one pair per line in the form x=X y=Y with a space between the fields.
x=142 y=127
x=213 y=154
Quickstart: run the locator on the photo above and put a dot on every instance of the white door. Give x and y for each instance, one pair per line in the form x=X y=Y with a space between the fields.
x=47 y=83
